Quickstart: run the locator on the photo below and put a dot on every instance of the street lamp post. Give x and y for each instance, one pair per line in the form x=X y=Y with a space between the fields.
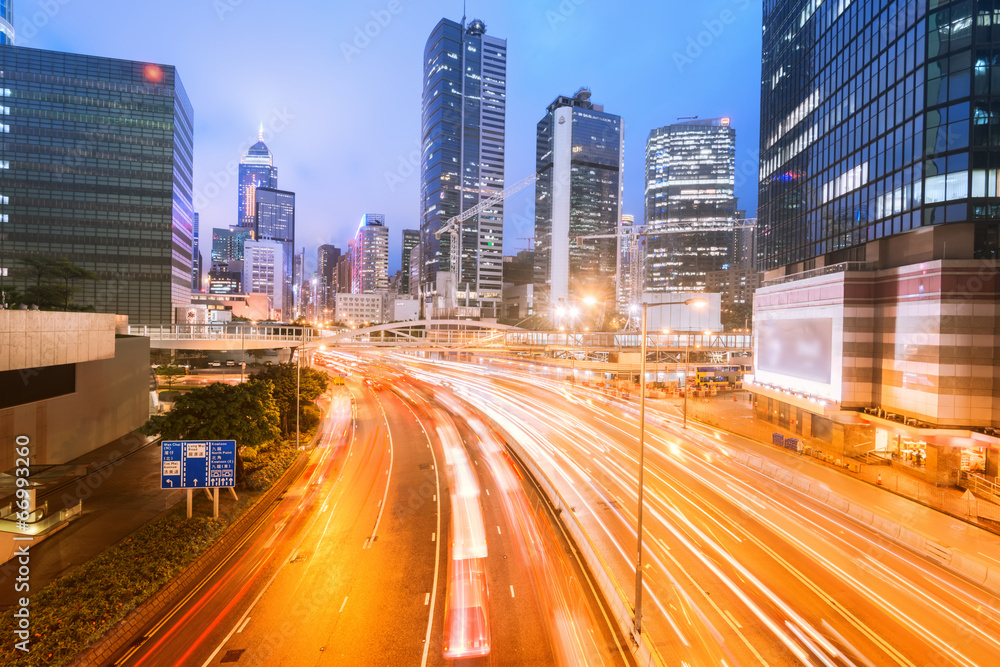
x=298 y=391
x=642 y=467
x=243 y=357
x=697 y=303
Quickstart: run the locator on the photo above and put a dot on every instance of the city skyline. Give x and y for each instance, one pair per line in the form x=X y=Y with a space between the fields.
x=231 y=102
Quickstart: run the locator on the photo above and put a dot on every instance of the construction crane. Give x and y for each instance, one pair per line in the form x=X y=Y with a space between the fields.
x=634 y=250
x=454 y=225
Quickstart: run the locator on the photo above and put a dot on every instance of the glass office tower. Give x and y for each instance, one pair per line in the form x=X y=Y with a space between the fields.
x=370 y=256
x=579 y=159
x=690 y=178
x=274 y=220
x=195 y=256
x=878 y=227
x=256 y=170
x=97 y=168
x=6 y=22
x=411 y=239
x=462 y=130
x=890 y=124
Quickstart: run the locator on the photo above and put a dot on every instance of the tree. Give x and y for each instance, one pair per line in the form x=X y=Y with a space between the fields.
x=737 y=316
x=246 y=413
x=67 y=272
x=283 y=377
x=170 y=372
x=47 y=273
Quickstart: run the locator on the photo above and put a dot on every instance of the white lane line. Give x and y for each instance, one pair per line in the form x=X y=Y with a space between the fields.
x=427 y=599
x=437 y=545
x=342 y=604
x=512 y=590
x=388 y=476
x=277 y=529
x=498 y=530
x=433 y=536
x=243 y=625
x=435 y=498
x=488 y=493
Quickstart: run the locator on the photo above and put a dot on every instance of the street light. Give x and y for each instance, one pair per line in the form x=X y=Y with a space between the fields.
x=696 y=303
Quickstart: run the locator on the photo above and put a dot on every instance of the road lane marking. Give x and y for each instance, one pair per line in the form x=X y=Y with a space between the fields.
x=512 y=590
x=433 y=536
x=243 y=625
x=342 y=605
x=277 y=529
x=498 y=530
x=388 y=478
x=437 y=545
x=735 y=622
x=427 y=599
x=487 y=492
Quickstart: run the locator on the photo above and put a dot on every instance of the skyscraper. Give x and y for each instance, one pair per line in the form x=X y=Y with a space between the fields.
x=411 y=239
x=274 y=219
x=262 y=262
x=227 y=244
x=690 y=178
x=462 y=137
x=370 y=261
x=256 y=170
x=327 y=257
x=631 y=260
x=97 y=168
x=878 y=228
x=6 y=22
x=579 y=159
x=195 y=255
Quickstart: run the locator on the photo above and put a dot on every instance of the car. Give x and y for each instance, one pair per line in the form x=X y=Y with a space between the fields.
x=268 y=363
x=230 y=363
x=214 y=364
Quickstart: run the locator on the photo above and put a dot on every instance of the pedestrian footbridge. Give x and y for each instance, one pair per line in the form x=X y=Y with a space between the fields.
x=444 y=335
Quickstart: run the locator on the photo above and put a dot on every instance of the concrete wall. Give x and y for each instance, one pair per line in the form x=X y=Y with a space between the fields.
x=111 y=399
x=34 y=338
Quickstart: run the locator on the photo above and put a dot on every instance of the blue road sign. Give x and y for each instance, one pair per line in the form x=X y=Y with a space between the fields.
x=197 y=464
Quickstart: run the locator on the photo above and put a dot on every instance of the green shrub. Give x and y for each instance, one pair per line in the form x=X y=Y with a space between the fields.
x=72 y=612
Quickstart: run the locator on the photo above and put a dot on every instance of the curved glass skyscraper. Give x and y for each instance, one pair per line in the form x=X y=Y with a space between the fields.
x=6 y=21
x=257 y=170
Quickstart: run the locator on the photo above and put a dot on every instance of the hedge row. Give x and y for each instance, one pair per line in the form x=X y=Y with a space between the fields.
x=74 y=611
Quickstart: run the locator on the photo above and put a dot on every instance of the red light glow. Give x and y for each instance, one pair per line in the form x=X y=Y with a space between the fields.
x=153 y=73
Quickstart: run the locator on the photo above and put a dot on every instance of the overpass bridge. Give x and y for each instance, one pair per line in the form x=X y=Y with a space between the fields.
x=452 y=336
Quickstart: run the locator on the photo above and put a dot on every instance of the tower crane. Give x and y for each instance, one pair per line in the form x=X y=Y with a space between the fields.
x=454 y=225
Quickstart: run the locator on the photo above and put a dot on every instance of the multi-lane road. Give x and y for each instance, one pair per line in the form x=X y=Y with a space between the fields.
x=738 y=569
x=411 y=538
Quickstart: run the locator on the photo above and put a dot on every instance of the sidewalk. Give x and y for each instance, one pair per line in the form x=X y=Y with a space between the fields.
x=737 y=417
x=120 y=493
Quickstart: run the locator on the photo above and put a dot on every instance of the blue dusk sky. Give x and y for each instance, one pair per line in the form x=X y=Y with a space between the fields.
x=338 y=84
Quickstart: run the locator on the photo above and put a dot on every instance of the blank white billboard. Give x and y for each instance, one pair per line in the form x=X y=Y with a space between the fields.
x=796 y=348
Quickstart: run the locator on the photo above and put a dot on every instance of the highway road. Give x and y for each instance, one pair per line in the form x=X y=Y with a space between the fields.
x=373 y=556
x=738 y=569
